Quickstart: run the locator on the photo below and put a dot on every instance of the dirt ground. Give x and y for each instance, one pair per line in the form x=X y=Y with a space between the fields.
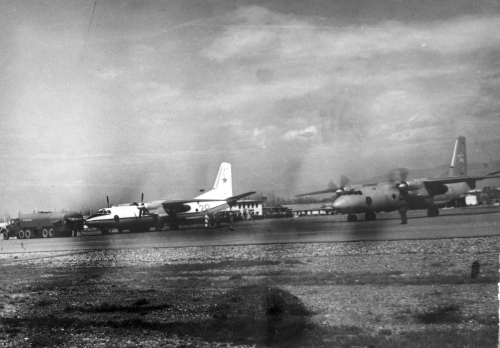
x=289 y=296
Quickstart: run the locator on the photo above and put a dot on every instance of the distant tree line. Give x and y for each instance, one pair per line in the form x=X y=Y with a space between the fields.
x=489 y=195
x=272 y=200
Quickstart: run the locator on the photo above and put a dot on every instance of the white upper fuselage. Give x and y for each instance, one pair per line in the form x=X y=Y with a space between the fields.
x=120 y=217
x=186 y=210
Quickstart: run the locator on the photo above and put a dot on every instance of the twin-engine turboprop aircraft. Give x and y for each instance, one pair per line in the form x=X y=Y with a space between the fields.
x=166 y=214
x=419 y=193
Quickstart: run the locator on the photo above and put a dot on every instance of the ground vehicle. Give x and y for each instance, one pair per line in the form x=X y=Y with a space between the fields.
x=44 y=225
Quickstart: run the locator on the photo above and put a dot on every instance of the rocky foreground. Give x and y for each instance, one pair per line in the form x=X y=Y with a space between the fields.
x=323 y=294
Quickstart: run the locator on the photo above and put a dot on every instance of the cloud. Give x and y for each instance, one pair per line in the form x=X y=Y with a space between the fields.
x=302 y=135
x=265 y=136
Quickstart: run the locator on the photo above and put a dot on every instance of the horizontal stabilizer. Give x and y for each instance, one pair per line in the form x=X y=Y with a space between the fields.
x=235 y=198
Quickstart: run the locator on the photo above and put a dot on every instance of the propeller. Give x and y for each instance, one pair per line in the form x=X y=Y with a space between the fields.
x=344 y=180
x=107 y=200
x=331 y=187
x=141 y=207
x=402 y=174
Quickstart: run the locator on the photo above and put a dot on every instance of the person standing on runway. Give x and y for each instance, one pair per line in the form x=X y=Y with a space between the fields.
x=403 y=208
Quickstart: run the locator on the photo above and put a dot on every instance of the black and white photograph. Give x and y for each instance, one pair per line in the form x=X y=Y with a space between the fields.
x=216 y=173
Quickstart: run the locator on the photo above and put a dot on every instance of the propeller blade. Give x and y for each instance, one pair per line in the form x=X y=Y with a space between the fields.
x=344 y=180
x=403 y=173
x=331 y=186
x=107 y=200
x=142 y=197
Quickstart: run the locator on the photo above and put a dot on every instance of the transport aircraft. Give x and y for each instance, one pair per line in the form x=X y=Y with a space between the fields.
x=166 y=214
x=371 y=199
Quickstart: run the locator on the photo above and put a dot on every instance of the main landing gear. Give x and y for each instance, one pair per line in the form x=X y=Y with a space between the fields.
x=166 y=227
x=433 y=211
x=352 y=218
x=369 y=216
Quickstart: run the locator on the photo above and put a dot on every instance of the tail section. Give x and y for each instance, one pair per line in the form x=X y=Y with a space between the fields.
x=459 y=160
x=223 y=187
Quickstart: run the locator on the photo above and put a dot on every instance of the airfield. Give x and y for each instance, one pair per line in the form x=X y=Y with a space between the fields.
x=452 y=223
x=315 y=281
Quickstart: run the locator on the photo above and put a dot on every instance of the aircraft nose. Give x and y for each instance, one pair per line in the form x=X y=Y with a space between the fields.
x=340 y=205
x=91 y=222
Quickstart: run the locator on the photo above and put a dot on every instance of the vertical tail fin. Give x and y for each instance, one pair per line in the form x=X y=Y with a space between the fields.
x=223 y=186
x=459 y=160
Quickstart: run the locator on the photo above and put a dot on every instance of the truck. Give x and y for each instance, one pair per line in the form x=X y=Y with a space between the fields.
x=471 y=200
x=44 y=225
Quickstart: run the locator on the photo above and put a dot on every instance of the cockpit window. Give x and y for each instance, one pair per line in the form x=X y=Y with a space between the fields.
x=103 y=212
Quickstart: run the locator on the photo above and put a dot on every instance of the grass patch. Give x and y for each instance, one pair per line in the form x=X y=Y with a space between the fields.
x=288 y=332
x=44 y=303
x=445 y=314
x=370 y=278
x=106 y=307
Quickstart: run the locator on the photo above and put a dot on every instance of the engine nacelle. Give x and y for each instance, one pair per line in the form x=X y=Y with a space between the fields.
x=152 y=205
x=405 y=186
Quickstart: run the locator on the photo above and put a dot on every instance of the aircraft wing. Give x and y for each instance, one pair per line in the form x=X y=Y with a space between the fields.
x=169 y=205
x=452 y=180
x=318 y=192
x=184 y=201
x=235 y=198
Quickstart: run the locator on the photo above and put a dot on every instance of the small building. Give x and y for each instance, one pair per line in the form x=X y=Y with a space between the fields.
x=279 y=211
x=310 y=209
x=254 y=207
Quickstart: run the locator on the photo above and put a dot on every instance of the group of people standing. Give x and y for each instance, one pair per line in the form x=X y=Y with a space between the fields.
x=214 y=220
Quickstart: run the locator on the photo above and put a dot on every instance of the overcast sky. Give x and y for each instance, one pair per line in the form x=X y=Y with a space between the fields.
x=121 y=97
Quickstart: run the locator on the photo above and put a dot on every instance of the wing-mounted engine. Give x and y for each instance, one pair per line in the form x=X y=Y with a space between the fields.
x=421 y=188
x=436 y=189
x=407 y=186
x=176 y=208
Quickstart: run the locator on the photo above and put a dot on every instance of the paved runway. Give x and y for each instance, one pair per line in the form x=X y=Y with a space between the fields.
x=453 y=223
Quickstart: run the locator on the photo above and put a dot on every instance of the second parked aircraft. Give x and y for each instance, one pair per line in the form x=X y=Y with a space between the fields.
x=166 y=214
x=419 y=193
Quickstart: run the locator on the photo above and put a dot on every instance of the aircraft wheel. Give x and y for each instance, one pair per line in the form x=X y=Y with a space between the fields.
x=369 y=216
x=45 y=233
x=352 y=218
x=432 y=212
x=6 y=235
x=20 y=234
x=52 y=233
x=104 y=231
x=120 y=230
x=28 y=234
